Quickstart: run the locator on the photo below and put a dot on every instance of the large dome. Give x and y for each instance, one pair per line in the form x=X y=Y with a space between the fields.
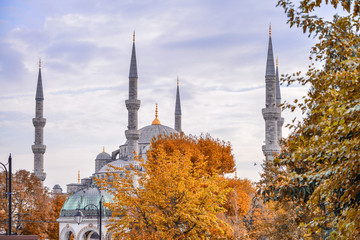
x=147 y=133
x=85 y=198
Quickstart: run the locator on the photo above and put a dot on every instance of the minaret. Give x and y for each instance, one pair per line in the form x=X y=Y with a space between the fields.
x=39 y=122
x=271 y=112
x=280 y=121
x=133 y=105
x=178 y=109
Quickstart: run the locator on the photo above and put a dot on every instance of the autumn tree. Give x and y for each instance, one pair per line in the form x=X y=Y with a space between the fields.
x=34 y=211
x=216 y=154
x=57 y=201
x=237 y=206
x=176 y=196
x=318 y=169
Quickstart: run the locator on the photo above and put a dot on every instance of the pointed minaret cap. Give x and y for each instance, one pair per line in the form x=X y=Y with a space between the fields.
x=270 y=66
x=278 y=93
x=133 y=66
x=156 y=120
x=177 y=102
x=39 y=89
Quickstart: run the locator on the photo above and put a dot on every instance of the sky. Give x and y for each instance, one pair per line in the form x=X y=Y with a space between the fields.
x=217 y=49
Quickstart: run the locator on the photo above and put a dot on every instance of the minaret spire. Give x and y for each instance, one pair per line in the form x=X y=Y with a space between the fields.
x=39 y=122
x=271 y=112
x=178 y=109
x=280 y=121
x=278 y=93
x=133 y=105
x=39 y=88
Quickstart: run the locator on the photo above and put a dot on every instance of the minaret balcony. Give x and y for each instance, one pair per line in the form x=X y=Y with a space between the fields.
x=132 y=104
x=271 y=113
x=271 y=149
x=39 y=122
x=40 y=174
x=132 y=134
x=38 y=149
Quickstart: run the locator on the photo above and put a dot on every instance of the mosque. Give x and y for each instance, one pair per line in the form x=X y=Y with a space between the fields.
x=79 y=215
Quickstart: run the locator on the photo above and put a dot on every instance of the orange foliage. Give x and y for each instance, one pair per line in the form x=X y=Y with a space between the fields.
x=57 y=201
x=34 y=211
x=240 y=198
x=217 y=154
x=179 y=195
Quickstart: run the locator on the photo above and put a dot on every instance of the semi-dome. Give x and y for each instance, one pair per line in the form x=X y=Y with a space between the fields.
x=86 y=200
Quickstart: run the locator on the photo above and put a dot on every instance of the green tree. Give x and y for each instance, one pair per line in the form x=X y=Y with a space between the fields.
x=318 y=169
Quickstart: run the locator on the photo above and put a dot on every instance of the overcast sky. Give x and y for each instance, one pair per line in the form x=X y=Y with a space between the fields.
x=217 y=48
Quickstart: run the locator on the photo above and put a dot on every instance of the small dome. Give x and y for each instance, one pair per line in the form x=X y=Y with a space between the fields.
x=57 y=186
x=103 y=155
x=85 y=198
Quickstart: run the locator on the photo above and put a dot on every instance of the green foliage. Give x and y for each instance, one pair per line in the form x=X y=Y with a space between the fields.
x=318 y=170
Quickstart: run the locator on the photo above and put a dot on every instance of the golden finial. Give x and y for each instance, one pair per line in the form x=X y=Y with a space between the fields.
x=270 y=30
x=156 y=120
x=39 y=62
x=178 y=80
x=78 y=176
x=103 y=149
x=277 y=61
x=156 y=111
x=134 y=37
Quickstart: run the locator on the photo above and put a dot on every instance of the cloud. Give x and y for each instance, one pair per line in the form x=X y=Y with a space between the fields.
x=218 y=49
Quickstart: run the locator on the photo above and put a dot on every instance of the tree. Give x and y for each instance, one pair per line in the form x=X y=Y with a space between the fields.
x=57 y=201
x=318 y=169
x=216 y=154
x=34 y=211
x=175 y=198
x=238 y=206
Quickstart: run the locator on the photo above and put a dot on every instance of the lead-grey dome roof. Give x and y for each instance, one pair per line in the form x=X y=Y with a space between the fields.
x=57 y=186
x=147 y=133
x=103 y=155
x=87 y=197
x=118 y=163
